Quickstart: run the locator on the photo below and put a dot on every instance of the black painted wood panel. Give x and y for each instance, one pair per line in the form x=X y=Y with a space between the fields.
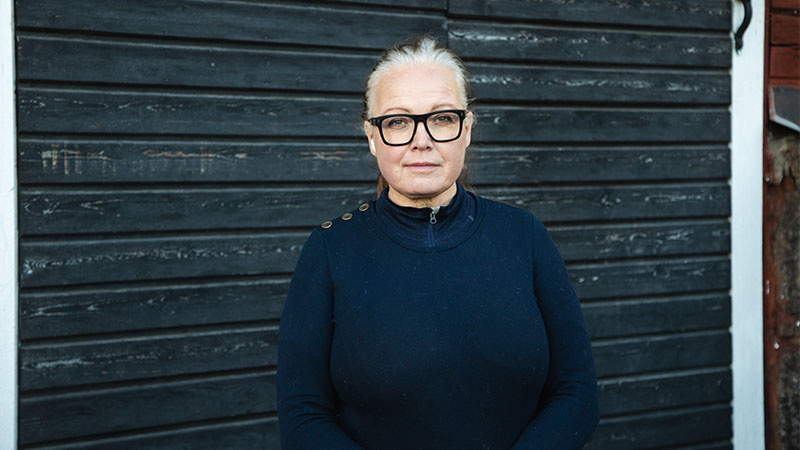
x=65 y=211
x=666 y=429
x=82 y=110
x=74 y=161
x=262 y=22
x=702 y=14
x=546 y=43
x=173 y=156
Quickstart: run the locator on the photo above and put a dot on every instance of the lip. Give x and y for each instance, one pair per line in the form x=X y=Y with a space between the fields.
x=422 y=167
x=422 y=164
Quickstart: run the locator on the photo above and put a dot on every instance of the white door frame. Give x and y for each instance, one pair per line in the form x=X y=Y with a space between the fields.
x=747 y=131
x=8 y=232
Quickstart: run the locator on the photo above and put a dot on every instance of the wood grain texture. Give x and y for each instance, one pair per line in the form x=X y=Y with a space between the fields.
x=71 y=160
x=262 y=22
x=151 y=112
x=246 y=432
x=539 y=83
x=501 y=41
x=46 y=365
x=662 y=352
x=639 y=278
x=158 y=258
x=662 y=391
x=784 y=62
x=81 y=311
x=654 y=315
x=784 y=29
x=186 y=64
x=702 y=14
x=66 y=211
x=79 y=413
x=668 y=429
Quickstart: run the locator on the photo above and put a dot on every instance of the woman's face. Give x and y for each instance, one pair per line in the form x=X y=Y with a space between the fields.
x=422 y=172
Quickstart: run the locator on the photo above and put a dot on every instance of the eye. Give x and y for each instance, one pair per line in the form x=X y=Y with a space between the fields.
x=396 y=122
x=444 y=119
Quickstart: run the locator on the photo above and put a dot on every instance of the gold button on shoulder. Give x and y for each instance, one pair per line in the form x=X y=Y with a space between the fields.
x=327 y=224
x=363 y=207
x=347 y=216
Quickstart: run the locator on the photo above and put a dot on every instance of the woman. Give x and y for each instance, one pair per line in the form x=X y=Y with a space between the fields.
x=431 y=318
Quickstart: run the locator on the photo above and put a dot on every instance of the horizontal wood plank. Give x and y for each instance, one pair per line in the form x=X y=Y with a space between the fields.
x=784 y=29
x=497 y=82
x=82 y=413
x=663 y=391
x=50 y=263
x=629 y=356
x=657 y=315
x=702 y=14
x=258 y=432
x=784 y=62
x=62 y=312
x=501 y=41
x=56 y=58
x=158 y=258
x=47 y=365
x=641 y=278
x=70 y=160
x=64 y=211
x=263 y=22
x=131 y=407
x=667 y=429
x=61 y=110
x=52 y=365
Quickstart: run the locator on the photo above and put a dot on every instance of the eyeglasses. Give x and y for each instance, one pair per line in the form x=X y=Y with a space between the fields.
x=399 y=129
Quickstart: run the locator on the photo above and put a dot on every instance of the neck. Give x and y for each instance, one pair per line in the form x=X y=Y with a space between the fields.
x=441 y=199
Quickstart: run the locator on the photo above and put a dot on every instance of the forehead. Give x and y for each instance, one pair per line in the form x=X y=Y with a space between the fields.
x=417 y=88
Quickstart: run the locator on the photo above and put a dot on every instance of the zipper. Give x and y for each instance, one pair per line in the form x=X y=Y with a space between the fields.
x=432 y=221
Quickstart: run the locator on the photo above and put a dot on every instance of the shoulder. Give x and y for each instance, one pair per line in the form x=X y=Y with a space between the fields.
x=496 y=210
x=347 y=223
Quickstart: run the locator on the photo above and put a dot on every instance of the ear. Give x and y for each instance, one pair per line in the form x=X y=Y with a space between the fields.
x=468 y=128
x=368 y=133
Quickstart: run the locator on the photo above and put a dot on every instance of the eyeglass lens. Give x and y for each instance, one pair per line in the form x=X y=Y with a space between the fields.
x=443 y=126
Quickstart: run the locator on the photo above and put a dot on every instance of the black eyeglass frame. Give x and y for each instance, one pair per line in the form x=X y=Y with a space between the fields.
x=462 y=113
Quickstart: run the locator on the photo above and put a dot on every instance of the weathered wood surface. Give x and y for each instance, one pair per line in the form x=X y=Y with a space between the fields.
x=70 y=414
x=539 y=83
x=85 y=261
x=149 y=111
x=618 y=357
x=653 y=315
x=71 y=160
x=259 y=22
x=55 y=57
x=624 y=279
x=80 y=412
x=46 y=365
x=547 y=43
x=667 y=429
x=260 y=431
x=702 y=14
x=165 y=155
x=662 y=391
x=68 y=211
x=80 y=311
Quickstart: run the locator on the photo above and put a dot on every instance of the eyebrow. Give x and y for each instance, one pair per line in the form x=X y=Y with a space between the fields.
x=435 y=108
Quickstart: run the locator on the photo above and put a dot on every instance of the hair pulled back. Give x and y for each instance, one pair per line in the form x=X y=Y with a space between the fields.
x=411 y=51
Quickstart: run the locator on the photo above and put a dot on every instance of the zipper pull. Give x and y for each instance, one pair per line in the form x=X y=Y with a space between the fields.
x=434 y=210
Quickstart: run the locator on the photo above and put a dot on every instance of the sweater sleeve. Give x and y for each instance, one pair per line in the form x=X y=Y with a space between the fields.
x=306 y=398
x=568 y=407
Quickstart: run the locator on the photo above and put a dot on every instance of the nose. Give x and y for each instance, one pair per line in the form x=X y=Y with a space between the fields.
x=421 y=141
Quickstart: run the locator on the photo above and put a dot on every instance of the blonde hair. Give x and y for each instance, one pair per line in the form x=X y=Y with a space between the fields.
x=418 y=50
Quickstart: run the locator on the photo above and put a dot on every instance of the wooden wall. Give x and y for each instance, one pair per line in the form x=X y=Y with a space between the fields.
x=174 y=155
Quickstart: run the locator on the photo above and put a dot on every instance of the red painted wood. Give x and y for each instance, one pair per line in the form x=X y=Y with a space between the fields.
x=784 y=62
x=784 y=29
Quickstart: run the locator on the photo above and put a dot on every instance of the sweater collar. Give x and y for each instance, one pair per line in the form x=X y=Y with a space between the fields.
x=424 y=227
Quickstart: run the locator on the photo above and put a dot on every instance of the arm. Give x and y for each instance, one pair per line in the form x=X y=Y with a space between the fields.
x=568 y=409
x=306 y=408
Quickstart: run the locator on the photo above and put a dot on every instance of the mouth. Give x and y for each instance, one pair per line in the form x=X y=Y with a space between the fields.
x=421 y=167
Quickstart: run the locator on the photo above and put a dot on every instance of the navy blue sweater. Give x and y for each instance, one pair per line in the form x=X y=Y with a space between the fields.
x=466 y=333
